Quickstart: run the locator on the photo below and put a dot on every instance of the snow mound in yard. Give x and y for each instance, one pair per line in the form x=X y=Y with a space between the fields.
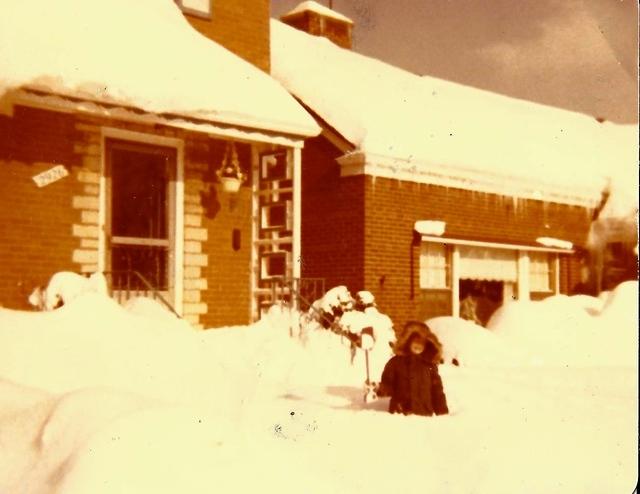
x=593 y=305
x=621 y=305
x=125 y=406
x=569 y=331
x=94 y=342
x=472 y=345
x=100 y=440
x=150 y=308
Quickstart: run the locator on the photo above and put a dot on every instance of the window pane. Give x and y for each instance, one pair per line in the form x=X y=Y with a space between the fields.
x=139 y=194
x=434 y=267
x=539 y=272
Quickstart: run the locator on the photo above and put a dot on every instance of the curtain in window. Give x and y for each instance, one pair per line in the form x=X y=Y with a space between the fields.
x=539 y=272
x=434 y=266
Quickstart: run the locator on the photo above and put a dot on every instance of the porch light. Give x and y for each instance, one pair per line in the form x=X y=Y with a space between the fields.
x=230 y=174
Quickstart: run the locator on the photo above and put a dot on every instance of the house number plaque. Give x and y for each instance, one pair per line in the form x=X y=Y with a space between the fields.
x=51 y=175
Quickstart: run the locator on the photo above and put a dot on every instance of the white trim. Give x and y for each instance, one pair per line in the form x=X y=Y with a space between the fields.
x=361 y=163
x=255 y=205
x=152 y=242
x=142 y=137
x=492 y=245
x=179 y=225
x=337 y=140
x=102 y=207
x=297 y=212
x=455 y=281
x=214 y=129
x=556 y=267
x=177 y=270
x=523 y=275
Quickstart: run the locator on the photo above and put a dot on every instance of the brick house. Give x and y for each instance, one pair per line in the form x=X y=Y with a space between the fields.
x=425 y=191
x=110 y=140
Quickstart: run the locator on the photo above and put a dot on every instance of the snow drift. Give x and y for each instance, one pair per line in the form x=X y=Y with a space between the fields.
x=96 y=399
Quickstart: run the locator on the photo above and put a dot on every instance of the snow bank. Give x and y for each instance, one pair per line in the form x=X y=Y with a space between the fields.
x=92 y=341
x=571 y=331
x=151 y=308
x=559 y=331
x=69 y=48
x=96 y=399
x=472 y=345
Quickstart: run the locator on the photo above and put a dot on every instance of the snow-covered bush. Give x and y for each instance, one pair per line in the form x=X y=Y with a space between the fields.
x=65 y=286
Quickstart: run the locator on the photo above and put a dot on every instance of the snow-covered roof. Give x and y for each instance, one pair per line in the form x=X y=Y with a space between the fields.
x=311 y=6
x=427 y=129
x=141 y=54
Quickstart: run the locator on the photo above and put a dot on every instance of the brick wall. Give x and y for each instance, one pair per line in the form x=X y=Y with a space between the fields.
x=241 y=26
x=55 y=228
x=569 y=273
x=393 y=206
x=220 y=284
x=35 y=223
x=358 y=230
x=332 y=218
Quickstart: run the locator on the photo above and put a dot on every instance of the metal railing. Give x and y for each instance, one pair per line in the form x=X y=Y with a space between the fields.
x=126 y=284
x=299 y=293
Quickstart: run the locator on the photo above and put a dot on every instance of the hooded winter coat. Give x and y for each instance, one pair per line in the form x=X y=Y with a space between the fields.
x=412 y=381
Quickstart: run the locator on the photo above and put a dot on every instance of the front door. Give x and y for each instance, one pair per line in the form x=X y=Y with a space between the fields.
x=140 y=222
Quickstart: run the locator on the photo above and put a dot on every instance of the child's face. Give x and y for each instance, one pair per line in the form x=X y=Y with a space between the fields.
x=416 y=346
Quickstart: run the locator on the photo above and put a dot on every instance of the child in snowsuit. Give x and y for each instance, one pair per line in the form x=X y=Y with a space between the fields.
x=411 y=377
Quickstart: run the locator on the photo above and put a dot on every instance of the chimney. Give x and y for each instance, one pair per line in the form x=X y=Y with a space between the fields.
x=316 y=19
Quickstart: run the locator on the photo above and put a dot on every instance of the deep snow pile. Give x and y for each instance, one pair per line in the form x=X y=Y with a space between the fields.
x=565 y=330
x=96 y=399
x=559 y=331
x=41 y=48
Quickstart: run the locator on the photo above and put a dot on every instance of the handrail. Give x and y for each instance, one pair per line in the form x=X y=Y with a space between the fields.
x=147 y=285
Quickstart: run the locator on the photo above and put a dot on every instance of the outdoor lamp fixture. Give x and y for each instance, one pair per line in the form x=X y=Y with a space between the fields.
x=230 y=174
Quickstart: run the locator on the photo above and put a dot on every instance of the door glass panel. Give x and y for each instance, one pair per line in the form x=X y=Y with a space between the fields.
x=140 y=176
x=139 y=200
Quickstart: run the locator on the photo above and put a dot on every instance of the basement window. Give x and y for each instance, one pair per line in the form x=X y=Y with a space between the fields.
x=198 y=8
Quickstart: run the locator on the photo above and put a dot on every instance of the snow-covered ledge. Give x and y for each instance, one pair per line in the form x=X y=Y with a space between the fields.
x=362 y=163
x=430 y=227
x=555 y=242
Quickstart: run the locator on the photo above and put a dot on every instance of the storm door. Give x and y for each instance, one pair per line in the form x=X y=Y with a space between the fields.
x=140 y=222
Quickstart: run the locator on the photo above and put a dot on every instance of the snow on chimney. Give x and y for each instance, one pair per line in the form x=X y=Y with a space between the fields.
x=316 y=19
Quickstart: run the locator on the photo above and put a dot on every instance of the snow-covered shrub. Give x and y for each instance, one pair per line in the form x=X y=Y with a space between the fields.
x=330 y=306
x=65 y=286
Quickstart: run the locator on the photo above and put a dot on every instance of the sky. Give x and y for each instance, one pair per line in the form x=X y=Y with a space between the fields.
x=579 y=55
